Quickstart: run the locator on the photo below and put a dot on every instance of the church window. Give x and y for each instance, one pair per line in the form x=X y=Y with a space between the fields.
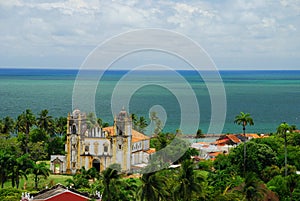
x=105 y=148
x=73 y=164
x=86 y=148
x=120 y=146
x=73 y=129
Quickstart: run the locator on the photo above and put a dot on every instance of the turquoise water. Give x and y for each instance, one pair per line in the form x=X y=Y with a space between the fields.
x=269 y=96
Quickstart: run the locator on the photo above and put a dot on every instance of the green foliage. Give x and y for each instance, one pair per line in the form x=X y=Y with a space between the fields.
x=270 y=172
x=110 y=181
x=259 y=156
x=60 y=126
x=9 y=194
x=24 y=123
x=189 y=183
x=39 y=170
x=152 y=187
x=139 y=123
x=45 y=122
x=252 y=189
x=157 y=122
x=38 y=138
x=199 y=134
x=37 y=151
x=7 y=125
x=91 y=120
x=244 y=119
x=279 y=185
x=205 y=165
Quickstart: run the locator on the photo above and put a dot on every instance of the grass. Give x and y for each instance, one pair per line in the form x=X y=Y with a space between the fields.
x=50 y=181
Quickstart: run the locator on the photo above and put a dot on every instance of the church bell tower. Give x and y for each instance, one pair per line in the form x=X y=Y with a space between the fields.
x=122 y=140
x=74 y=123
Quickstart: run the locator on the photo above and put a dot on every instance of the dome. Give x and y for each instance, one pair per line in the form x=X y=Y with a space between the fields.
x=122 y=115
x=76 y=113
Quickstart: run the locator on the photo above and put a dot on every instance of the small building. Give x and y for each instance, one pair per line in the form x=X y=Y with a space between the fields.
x=59 y=193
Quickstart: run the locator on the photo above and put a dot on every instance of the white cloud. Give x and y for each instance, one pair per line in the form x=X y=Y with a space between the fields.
x=72 y=28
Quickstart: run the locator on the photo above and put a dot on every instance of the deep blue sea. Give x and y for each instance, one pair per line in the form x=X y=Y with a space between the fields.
x=271 y=97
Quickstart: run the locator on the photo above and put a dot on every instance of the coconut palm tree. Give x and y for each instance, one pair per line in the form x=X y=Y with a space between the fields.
x=152 y=187
x=244 y=119
x=45 y=121
x=142 y=124
x=110 y=180
x=4 y=166
x=39 y=169
x=8 y=125
x=189 y=182
x=91 y=120
x=20 y=169
x=60 y=126
x=24 y=123
x=282 y=129
x=252 y=189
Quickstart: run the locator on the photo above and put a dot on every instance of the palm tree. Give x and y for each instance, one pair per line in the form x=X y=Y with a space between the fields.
x=142 y=124
x=4 y=166
x=157 y=123
x=1 y=126
x=244 y=119
x=20 y=169
x=45 y=121
x=8 y=125
x=152 y=187
x=189 y=181
x=91 y=120
x=60 y=126
x=39 y=169
x=252 y=189
x=134 y=120
x=282 y=129
x=24 y=122
x=110 y=180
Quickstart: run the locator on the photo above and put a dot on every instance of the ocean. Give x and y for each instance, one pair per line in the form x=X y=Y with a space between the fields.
x=271 y=97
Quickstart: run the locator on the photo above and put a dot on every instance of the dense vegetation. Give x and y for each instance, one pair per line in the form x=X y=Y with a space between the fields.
x=261 y=169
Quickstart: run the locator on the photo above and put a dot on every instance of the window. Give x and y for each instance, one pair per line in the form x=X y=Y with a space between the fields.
x=73 y=129
x=120 y=146
x=86 y=148
x=105 y=148
x=73 y=164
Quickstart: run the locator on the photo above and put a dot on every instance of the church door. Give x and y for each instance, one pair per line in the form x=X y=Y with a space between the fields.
x=96 y=164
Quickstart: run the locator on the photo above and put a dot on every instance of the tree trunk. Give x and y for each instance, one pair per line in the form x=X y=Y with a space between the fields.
x=36 y=182
x=244 y=168
x=27 y=138
x=13 y=180
x=285 y=155
x=17 y=182
x=2 y=181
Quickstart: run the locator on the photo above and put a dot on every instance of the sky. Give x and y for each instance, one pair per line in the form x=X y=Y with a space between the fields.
x=237 y=34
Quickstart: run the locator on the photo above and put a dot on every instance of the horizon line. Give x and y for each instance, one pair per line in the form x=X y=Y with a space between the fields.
x=128 y=69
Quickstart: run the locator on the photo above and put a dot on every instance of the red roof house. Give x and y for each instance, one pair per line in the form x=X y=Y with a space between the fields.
x=59 y=193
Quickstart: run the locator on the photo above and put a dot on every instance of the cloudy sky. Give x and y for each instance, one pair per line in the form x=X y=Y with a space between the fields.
x=254 y=34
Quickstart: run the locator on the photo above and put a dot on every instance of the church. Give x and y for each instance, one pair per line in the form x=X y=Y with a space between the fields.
x=92 y=146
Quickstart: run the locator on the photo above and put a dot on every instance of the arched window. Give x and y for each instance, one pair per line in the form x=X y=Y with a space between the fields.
x=74 y=129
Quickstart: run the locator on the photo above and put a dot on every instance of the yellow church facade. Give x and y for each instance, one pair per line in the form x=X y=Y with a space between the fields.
x=92 y=146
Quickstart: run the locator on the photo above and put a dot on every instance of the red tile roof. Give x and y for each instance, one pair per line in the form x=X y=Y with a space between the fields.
x=218 y=142
x=233 y=138
x=136 y=136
